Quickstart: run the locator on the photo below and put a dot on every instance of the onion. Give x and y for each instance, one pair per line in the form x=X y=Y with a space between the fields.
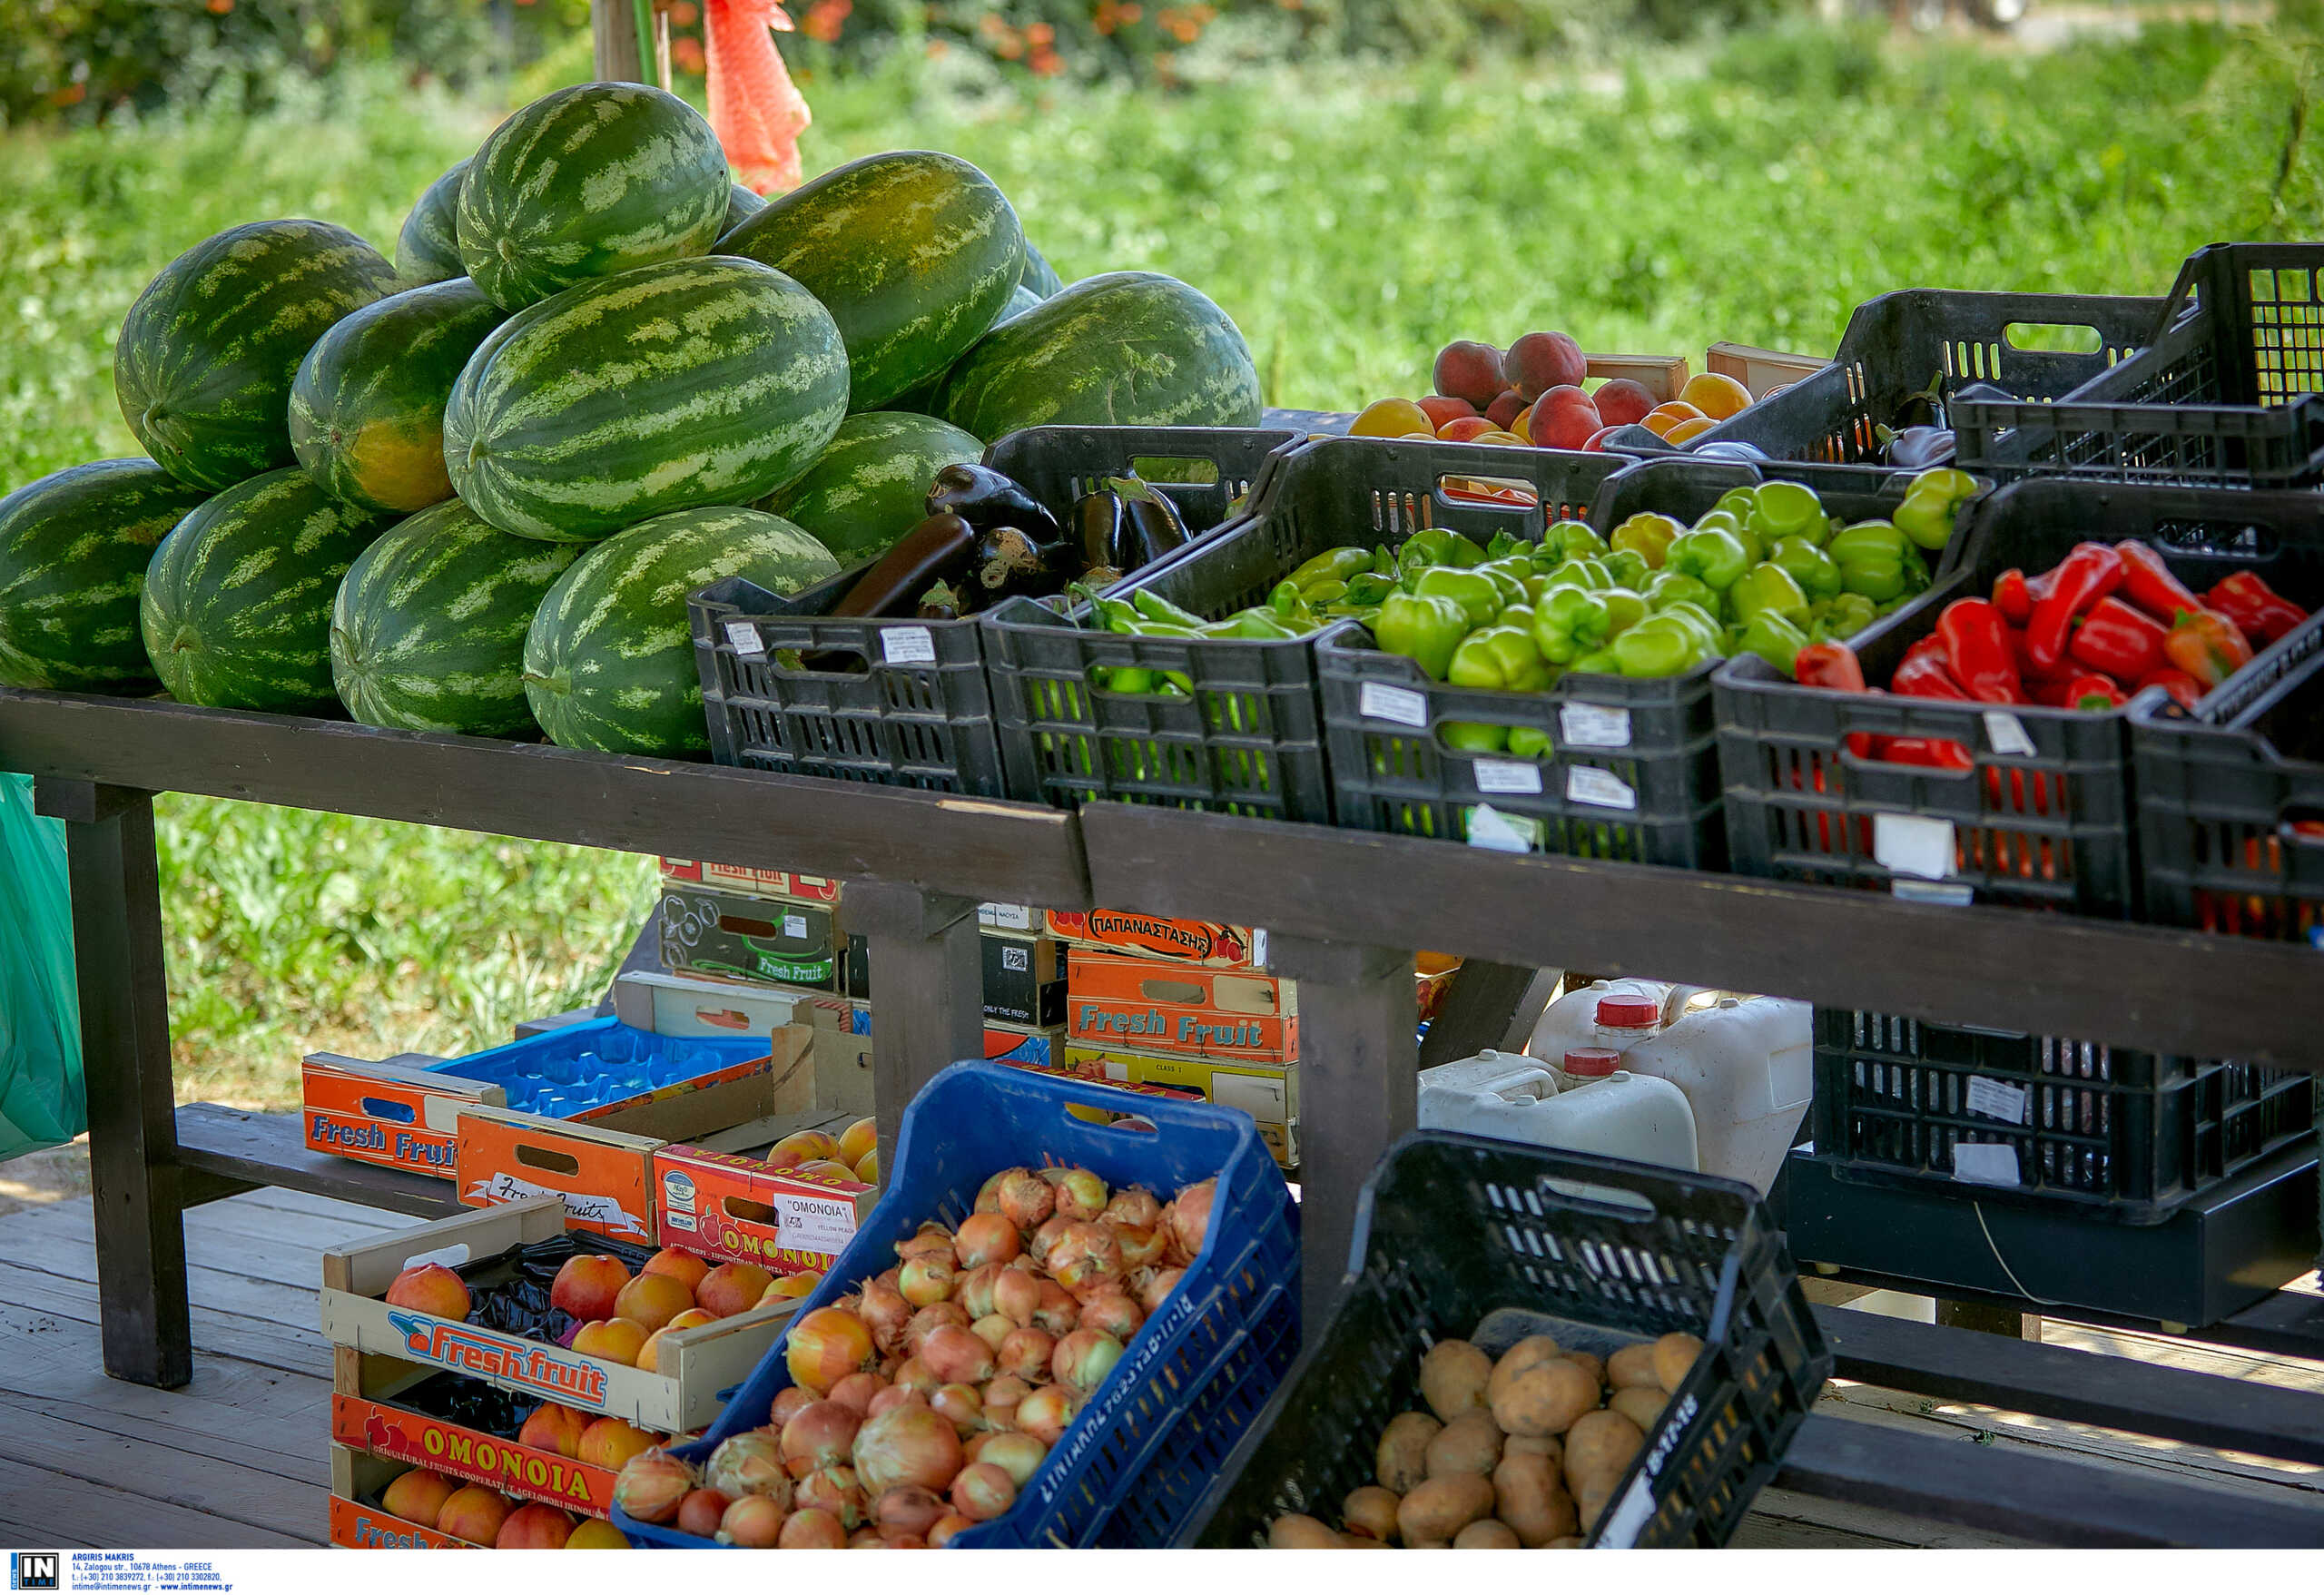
x=1047 y=1413
x=787 y=1404
x=992 y=1329
x=911 y=1445
x=856 y=1391
x=750 y=1463
x=929 y=1320
x=886 y=1311
x=821 y=1436
x=1087 y=1258
x=1026 y=1353
x=989 y=1192
x=1083 y=1359
x=1045 y=1236
x=940 y=1532
x=916 y=1378
x=812 y=1530
x=1112 y=1313
x=835 y=1490
x=753 y=1522
x=1002 y=1395
x=983 y=1492
x=890 y=1396
x=927 y=1280
x=932 y=1241
x=986 y=1237
x=1190 y=1217
x=1157 y=1288
x=1017 y=1454
x=652 y=1486
x=852 y=1302
x=699 y=1512
x=908 y=1510
x=1015 y=1295
x=903 y=1541
x=1133 y=1206
x=1140 y=1248
x=866 y=1540
x=974 y=1291
x=825 y=1347
x=1081 y=1193
x=1059 y=1312
x=1026 y=1199
x=962 y=1405
x=956 y=1357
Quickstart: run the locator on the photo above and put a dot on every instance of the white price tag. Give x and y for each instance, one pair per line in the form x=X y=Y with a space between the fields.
x=1913 y=844
x=1594 y=726
x=744 y=638
x=795 y=927
x=1982 y=1163
x=1996 y=1100
x=1587 y=783
x=1491 y=829
x=1630 y=1515
x=1508 y=776
x=1952 y=894
x=813 y=1223
x=1379 y=701
x=2006 y=733
x=907 y=645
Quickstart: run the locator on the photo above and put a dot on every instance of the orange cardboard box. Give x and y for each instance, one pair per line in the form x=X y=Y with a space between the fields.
x=604 y=1177
x=780 y=883
x=357 y=1477
x=394 y=1113
x=399 y=1434
x=732 y=1207
x=1132 y=935
x=1148 y=1005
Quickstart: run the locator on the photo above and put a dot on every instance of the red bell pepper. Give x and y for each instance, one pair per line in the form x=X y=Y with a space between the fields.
x=2149 y=584
x=2085 y=576
x=2207 y=646
x=1829 y=665
x=2254 y=607
x=1926 y=675
x=2090 y=690
x=1934 y=752
x=1976 y=640
x=2117 y=639
x=2184 y=689
x=2013 y=598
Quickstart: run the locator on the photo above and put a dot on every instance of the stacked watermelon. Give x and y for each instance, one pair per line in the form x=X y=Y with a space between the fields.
x=470 y=491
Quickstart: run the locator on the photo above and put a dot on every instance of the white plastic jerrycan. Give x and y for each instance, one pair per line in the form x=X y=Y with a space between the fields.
x=1746 y=1067
x=1596 y=1108
x=1572 y=1021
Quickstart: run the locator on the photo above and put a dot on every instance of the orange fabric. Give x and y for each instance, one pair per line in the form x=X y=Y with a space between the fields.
x=755 y=109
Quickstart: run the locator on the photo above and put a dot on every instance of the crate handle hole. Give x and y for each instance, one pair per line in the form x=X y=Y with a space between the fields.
x=1610 y=1201
x=2302 y=826
x=2052 y=337
x=822 y=662
x=380 y=1108
x=1514 y=495
x=1107 y=1118
x=542 y=1157
x=742 y=1210
x=1876 y=754
x=1173 y=470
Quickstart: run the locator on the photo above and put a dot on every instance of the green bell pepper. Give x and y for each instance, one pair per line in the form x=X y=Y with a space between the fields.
x=1571 y=540
x=1767 y=586
x=1366 y=587
x=1423 y=627
x=1601 y=663
x=1933 y=500
x=1627 y=568
x=1499 y=658
x=1714 y=556
x=1647 y=535
x=1739 y=502
x=1673 y=586
x=1517 y=614
x=1700 y=620
x=1528 y=742
x=1570 y=623
x=1808 y=565
x=1502 y=543
x=1871 y=557
x=1773 y=638
x=1660 y=645
x=1430 y=545
x=1624 y=609
x=1333 y=564
x=1510 y=575
x=1842 y=616
x=1323 y=593
x=1787 y=510
x=1470 y=736
x=1476 y=593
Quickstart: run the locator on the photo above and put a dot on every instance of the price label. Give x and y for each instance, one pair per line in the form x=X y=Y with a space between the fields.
x=1495 y=831
x=1603 y=789
x=1594 y=726
x=813 y=1223
x=1508 y=776
x=907 y=645
x=795 y=927
x=1982 y=1163
x=1630 y=1515
x=1913 y=844
x=1379 y=701
x=744 y=638
x=2007 y=733
x=1996 y=1100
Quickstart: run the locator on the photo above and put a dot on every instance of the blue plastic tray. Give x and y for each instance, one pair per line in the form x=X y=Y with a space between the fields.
x=569 y=1070
x=1136 y=1462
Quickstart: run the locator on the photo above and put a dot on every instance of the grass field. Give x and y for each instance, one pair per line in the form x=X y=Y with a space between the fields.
x=1351 y=221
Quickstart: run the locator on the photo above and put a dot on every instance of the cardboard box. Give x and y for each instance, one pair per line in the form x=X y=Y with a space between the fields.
x=1228 y=947
x=356 y=1480
x=377 y=1427
x=1020 y=918
x=396 y=1114
x=720 y=933
x=696 y=1367
x=1033 y=1045
x=735 y=1207
x=1024 y=979
x=776 y=883
x=1147 y=1005
x=1254 y=1088
x=691 y=1005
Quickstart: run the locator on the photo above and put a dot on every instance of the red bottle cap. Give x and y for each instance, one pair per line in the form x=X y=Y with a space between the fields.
x=1592 y=1061
x=1628 y=1013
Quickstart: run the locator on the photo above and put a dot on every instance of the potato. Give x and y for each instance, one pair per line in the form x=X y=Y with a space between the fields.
x=1673 y=1355
x=1633 y=1368
x=1640 y=1405
x=1299 y=1531
x=1452 y=1378
x=1591 y=1503
x=1486 y=1534
x=1441 y=1508
x=1596 y=1369
x=1600 y=1445
x=1468 y=1444
x=1545 y=1399
x=1530 y=1498
x=1571 y=1542
x=1547 y=1446
x=1370 y=1509
x=1402 y=1461
x=1533 y=1349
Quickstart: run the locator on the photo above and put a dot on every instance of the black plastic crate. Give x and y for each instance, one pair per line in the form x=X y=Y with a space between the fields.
x=2226 y=394
x=1249 y=739
x=2045 y=816
x=1457 y=1236
x=2232 y=801
x=2043 y=1121
x=1632 y=768
x=904 y=702
x=1934 y=339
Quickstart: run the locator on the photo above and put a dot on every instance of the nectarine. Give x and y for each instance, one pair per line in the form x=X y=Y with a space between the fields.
x=800 y=1147
x=610 y=1441
x=1564 y=417
x=1667 y=415
x=417 y=1497
x=430 y=1287
x=791 y=1287
x=653 y=1300
x=534 y=1526
x=586 y=1287
x=596 y=1534
x=616 y=1340
x=1715 y=394
x=867 y=1167
x=731 y=1287
x=473 y=1513
x=1505 y=409
x=551 y=1427
x=1687 y=431
x=683 y=1266
x=1466 y=429
x=1597 y=441
x=864 y=1133
x=1621 y=401
x=1471 y=371
x=1440 y=408
x=1390 y=417
x=1540 y=361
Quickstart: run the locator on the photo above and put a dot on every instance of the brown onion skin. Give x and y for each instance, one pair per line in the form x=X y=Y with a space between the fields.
x=812 y=1528
x=912 y=1444
x=982 y=1492
x=908 y=1509
x=940 y=1533
x=820 y=1436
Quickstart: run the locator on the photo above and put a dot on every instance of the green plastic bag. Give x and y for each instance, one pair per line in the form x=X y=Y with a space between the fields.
x=42 y=1102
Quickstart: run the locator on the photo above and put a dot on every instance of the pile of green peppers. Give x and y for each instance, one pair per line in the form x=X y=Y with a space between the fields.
x=1287 y=613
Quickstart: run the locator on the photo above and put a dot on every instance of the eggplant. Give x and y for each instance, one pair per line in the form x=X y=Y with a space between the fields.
x=940 y=602
x=985 y=498
x=1008 y=564
x=1154 y=527
x=939 y=549
x=1101 y=530
x=1916 y=448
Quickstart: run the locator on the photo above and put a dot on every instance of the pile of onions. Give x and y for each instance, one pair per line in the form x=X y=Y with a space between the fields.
x=923 y=1405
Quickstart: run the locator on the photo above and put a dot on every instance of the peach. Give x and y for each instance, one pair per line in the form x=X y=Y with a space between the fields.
x=616 y=1340
x=1667 y=415
x=551 y=1427
x=867 y=1167
x=417 y=1497
x=653 y=1300
x=473 y=1514
x=692 y=1318
x=1689 y=430
x=1621 y=401
x=1597 y=442
x=791 y=1287
x=1564 y=417
x=1500 y=439
x=587 y=1287
x=825 y=1168
x=1466 y=430
x=1442 y=409
x=1540 y=361
x=864 y=1133
x=596 y=1534
x=649 y=1355
x=534 y=1527
x=430 y=1287
x=610 y=1441
x=1715 y=394
x=683 y=1266
x=1505 y=409
x=1471 y=371
x=1392 y=417
x=800 y=1146
x=731 y=1287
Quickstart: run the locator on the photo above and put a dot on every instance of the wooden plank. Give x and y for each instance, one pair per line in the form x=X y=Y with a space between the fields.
x=55 y=1360
x=267 y=1148
x=975 y=847
x=68 y=1254
x=15 y=1534
x=310 y=1467
x=284 y=1199
x=299 y=1234
x=224 y=1253
x=932 y=1010
x=614 y=34
x=1784 y=1519
x=2124 y=984
x=295 y=1347
x=153 y=1472
x=1477 y=1011
x=90 y=1514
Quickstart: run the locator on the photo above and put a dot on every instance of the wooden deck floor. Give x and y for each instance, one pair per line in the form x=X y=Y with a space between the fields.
x=237 y=1458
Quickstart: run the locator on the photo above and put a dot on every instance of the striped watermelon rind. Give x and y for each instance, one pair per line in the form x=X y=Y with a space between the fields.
x=1039 y=277
x=870 y=485
x=609 y=660
x=367 y=408
x=914 y=252
x=73 y=548
x=428 y=629
x=203 y=365
x=236 y=611
x=741 y=204
x=428 y=248
x=712 y=381
x=588 y=181
x=1126 y=349
x=1020 y=300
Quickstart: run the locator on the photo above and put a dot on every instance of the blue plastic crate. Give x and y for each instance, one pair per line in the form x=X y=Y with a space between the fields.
x=1134 y=1466
x=565 y=1072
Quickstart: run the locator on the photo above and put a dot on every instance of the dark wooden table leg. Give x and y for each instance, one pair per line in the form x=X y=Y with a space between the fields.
x=927 y=992
x=123 y=985
x=1358 y=1068
x=1483 y=1009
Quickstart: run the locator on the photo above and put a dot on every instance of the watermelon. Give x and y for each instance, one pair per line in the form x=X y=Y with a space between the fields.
x=609 y=660
x=237 y=605
x=367 y=408
x=1038 y=277
x=1129 y=349
x=427 y=633
x=73 y=547
x=705 y=381
x=203 y=365
x=913 y=252
x=741 y=204
x=427 y=250
x=1020 y=300
x=588 y=181
x=869 y=486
